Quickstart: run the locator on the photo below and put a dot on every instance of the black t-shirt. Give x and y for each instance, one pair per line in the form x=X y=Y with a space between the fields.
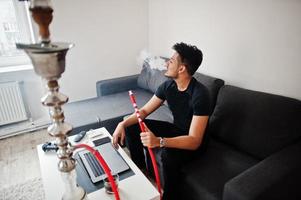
x=184 y=104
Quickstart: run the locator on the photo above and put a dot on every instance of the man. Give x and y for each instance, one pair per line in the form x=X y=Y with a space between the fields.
x=188 y=101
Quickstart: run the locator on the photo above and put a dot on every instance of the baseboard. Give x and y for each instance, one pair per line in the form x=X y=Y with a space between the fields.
x=23 y=127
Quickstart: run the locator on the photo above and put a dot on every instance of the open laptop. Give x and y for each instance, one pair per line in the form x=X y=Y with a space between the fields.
x=110 y=155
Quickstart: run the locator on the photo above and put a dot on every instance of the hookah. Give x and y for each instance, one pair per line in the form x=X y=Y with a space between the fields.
x=48 y=60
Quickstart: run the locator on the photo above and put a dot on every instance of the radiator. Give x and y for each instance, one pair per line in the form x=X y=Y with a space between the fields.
x=12 y=107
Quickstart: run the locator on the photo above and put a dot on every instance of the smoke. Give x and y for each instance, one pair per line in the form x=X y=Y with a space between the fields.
x=143 y=56
x=154 y=62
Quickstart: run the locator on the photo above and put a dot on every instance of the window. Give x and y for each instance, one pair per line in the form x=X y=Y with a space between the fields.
x=15 y=26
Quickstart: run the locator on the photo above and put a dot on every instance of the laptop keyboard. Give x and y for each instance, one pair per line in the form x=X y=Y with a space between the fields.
x=95 y=166
x=109 y=154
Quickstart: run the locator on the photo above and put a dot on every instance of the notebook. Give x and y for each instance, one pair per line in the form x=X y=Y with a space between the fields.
x=112 y=157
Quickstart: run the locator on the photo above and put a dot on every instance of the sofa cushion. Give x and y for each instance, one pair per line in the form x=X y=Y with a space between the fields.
x=205 y=176
x=102 y=111
x=151 y=76
x=277 y=177
x=81 y=115
x=213 y=85
x=255 y=122
x=162 y=114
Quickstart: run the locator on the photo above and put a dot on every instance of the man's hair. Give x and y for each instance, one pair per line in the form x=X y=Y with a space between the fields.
x=190 y=56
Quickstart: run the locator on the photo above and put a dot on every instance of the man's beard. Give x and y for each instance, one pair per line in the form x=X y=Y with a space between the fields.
x=169 y=76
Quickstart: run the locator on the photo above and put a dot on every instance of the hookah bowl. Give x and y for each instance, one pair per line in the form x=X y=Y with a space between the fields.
x=48 y=60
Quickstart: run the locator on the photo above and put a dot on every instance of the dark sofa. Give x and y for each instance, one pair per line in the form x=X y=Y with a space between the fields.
x=253 y=152
x=253 y=137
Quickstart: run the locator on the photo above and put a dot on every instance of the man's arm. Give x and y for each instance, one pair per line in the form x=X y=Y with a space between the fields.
x=190 y=142
x=194 y=139
x=119 y=133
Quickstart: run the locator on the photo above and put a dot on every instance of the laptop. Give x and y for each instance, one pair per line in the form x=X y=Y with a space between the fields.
x=112 y=157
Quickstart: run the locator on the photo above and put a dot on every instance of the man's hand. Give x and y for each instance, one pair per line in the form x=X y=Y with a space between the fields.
x=148 y=138
x=118 y=135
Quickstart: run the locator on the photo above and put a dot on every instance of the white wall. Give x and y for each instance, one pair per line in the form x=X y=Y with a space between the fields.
x=108 y=36
x=254 y=44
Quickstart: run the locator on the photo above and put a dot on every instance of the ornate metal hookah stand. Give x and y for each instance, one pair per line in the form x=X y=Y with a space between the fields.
x=48 y=60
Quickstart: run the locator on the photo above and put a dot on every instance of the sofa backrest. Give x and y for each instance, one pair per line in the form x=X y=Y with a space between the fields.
x=152 y=74
x=116 y=85
x=151 y=78
x=255 y=122
x=213 y=85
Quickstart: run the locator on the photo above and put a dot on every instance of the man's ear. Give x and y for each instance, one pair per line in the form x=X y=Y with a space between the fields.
x=182 y=68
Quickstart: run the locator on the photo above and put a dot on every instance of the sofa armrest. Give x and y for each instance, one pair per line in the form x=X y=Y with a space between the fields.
x=115 y=85
x=276 y=177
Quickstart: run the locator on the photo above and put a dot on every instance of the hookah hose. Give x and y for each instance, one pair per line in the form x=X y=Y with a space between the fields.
x=104 y=165
x=142 y=127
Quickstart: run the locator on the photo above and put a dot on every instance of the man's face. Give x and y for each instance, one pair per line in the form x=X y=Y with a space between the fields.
x=173 y=65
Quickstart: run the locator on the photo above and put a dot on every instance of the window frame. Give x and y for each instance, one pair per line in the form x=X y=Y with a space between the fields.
x=20 y=62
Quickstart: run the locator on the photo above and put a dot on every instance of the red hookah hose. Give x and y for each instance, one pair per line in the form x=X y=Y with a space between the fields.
x=104 y=165
x=142 y=127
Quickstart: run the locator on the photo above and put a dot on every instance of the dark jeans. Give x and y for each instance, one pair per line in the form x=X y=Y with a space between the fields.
x=172 y=159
